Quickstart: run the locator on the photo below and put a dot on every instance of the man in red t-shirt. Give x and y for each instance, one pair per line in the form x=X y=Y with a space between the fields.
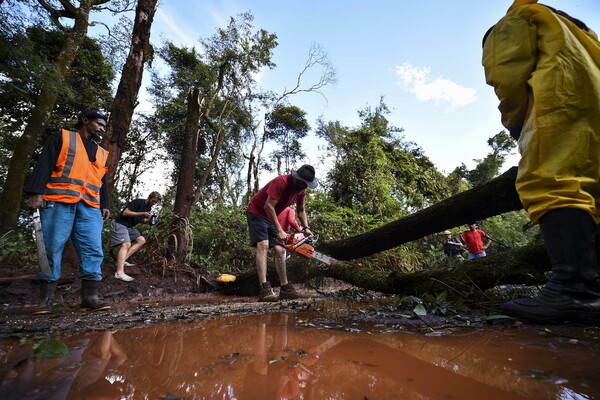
x=474 y=239
x=265 y=229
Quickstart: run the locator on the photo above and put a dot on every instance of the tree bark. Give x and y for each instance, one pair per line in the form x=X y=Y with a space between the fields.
x=125 y=101
x=27 y=143
x=492 y=198
x=184 y=197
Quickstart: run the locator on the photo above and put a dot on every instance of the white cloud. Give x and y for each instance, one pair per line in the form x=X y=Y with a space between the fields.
x=416 y=80
x=174 y=31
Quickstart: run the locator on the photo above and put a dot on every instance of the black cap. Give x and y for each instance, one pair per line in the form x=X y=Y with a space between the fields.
x=89 y=114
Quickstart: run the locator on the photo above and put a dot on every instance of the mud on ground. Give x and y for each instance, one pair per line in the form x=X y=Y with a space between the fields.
x=159 y=296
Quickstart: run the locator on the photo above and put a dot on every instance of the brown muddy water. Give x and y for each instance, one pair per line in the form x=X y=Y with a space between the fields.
x=304 y=355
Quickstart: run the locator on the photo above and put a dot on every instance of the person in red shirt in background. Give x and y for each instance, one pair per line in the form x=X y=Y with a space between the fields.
x=287 y=220
x=474 y=239
x=265 y=229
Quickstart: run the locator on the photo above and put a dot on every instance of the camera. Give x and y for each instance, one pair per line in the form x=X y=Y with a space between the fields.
x=152 y=219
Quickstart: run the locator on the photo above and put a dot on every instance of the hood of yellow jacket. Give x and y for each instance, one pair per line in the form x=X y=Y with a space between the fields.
x=518 y=3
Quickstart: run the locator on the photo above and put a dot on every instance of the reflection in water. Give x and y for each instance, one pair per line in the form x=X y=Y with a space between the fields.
x=84 y=370
x=297 y=356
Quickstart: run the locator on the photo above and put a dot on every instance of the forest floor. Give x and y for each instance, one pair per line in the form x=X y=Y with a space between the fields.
x=159 y=296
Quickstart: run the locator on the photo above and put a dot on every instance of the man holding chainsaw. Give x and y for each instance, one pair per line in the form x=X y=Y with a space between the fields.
x=67 y=186
x=266 y=231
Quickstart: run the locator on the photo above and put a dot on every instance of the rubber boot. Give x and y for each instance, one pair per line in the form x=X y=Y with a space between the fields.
x=573 y=292
x=89 y=297
x=47 y=290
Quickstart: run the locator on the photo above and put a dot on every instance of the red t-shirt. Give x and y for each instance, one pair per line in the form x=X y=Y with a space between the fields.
x=287 y=220
x=281 y=189
x=474 y=241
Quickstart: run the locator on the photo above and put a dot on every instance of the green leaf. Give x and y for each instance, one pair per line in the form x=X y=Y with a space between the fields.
x=420 y=310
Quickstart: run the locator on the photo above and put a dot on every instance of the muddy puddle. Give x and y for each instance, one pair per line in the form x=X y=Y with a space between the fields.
x=305 y=355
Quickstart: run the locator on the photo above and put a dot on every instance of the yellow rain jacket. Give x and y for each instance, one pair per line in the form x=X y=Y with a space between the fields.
x=546 y=73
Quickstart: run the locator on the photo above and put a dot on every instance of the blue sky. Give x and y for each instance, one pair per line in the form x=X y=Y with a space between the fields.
x=424 y=58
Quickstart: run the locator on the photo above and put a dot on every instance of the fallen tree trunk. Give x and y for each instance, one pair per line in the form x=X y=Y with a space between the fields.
x=469 y=278
x=492 y=198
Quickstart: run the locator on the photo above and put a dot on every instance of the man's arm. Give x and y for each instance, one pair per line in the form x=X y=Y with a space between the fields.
x=292 y=220
x=456 y=242
x=104 y=199
x=303 y=218
x=487 y=242
x=509 y=57
x=136 y=214
x=270 y=210
x=36 y=185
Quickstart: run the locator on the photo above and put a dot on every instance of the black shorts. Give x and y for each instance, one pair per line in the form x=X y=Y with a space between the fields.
x=261 y=229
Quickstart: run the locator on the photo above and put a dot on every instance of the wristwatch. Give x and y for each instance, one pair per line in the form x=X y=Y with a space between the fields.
x=305 y=228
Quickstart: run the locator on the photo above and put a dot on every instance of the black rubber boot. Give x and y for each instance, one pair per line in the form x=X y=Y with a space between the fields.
x=47 y=290
x=573 y=292
x=89 y=297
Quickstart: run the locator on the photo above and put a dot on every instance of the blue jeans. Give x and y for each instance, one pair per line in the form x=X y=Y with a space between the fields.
x=478 y=255
x=83 y=224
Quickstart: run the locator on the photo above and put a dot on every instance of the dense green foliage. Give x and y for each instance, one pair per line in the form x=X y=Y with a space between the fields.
x=24 y=58
x=286 y=125
x=224 y=73
x=375 y=171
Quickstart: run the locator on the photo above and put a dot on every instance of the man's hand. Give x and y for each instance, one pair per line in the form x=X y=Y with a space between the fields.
x=105 y=214
x=281 y=236
x=34 y=202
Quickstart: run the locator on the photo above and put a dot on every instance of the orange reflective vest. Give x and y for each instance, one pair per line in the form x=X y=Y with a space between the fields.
x=75 y=177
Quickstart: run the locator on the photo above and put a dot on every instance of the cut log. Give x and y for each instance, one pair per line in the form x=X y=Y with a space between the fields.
x=525 y=265
x=492 y=198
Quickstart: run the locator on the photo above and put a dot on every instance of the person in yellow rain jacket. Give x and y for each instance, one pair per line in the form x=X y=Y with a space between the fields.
x=545 y=68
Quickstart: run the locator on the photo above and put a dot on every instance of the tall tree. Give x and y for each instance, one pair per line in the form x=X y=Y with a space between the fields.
x=317 y=59
x=217 y=82
x=375 y=171
x=49 y=92
x=125 y=101
x=286 y=126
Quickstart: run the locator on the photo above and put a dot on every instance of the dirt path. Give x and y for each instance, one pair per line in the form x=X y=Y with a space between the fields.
x=153 y=298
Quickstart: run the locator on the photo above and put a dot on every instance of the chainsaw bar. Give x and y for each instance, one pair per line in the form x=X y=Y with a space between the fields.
x=305 y=247
x=324 y=258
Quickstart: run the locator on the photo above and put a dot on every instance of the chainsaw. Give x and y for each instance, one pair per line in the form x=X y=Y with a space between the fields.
x=306 y=247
